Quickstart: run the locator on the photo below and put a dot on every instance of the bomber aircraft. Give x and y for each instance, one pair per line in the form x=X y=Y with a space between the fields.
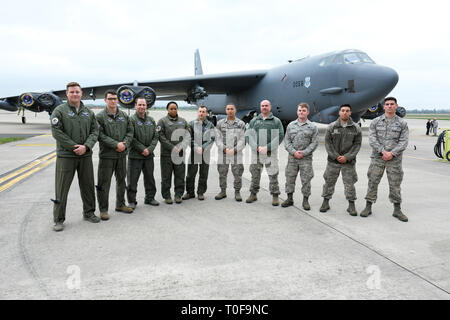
x=324 y=81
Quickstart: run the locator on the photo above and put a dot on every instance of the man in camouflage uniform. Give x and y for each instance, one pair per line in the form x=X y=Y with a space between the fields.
x=115 y=137
x=388 y=137
x=140 y=157
x=175 y=137
x=264 y=135
x=76 y=131
x=342 y=142
x=202 y=139
x=300 y=141
x=230 y=142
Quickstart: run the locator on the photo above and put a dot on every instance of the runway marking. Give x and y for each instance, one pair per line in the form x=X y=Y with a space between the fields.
x=25 y=172
x=37 y=145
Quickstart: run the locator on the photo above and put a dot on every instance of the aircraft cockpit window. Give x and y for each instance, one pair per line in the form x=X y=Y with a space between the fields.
x=352 y=58
x=327 y=61
x=365 y=58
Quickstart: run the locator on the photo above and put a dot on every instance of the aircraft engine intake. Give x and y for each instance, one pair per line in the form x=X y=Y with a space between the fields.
x=38 y=102
x=128 y=94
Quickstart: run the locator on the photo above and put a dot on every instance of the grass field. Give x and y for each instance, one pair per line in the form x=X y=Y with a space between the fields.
x=10 y=139
x=444 y=116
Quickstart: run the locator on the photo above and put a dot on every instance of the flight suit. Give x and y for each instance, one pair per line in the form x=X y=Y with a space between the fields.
x=113 y=128
x=268 y=133
x=69 y=128
x=230 y=134
x=202 y=135
x=145 y=137
x=390 y=135
x=300 y=136
x=342 y=141
x=173 y=132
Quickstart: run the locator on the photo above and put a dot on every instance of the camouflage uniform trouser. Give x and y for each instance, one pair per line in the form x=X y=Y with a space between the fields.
x=64 y=173
x=178 y=170
x=271 y=164
x=135 y=167
x=237 y=168
x=306 y=174
x=106 y=168
x=349 y=177
x=394 y=174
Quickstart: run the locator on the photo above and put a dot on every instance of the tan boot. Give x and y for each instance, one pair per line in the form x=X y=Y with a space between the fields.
x=289 y=201
x=104 y=216
x=275 y=200
x=252 y=198
x=237 y=196
x=221 y=195
x=124 y=209
x=305 y=204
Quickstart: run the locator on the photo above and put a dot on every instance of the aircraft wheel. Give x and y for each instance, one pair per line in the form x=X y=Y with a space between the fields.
x=24 y=120
x=448 y=156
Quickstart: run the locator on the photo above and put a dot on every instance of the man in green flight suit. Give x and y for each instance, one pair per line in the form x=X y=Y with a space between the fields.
x=76 y=131
x=202 y=139
x=140 y=158
x=115 y=137
x=264 y=135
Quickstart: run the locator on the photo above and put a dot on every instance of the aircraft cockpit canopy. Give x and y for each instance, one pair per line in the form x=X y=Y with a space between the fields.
x=347 y=57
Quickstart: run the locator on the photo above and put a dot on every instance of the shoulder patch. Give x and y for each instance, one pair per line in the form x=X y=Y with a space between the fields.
x=55 y=121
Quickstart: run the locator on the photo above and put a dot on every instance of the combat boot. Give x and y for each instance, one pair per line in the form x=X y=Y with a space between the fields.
x=398 y=213
x=221 y=195
x=351 y=209
x=58 y=227
x=132 y=205
x=124 y=209
x=289 y=201
x=151 y=202
x=188 y=196
x=237 y=196
x=92 y=218
x=367 y=210
x=178 y=200
x=275 y=201
x=104 y=216
x=201 y=196
x=325 y=205
x=168 y=201
x=251 y=198
x=305 y=203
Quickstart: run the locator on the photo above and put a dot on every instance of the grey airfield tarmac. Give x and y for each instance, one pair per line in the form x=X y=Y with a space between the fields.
x=224 y=249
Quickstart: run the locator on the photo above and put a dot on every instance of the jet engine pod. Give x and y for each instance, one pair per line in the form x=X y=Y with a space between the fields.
x=128 y=94
x=401 y=112
x=38 y=102
x=5 y=105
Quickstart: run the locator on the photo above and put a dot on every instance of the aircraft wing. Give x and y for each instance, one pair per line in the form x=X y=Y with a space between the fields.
x=178 y=88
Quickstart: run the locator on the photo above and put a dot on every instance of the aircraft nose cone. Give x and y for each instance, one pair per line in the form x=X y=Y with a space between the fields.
x=388 y=78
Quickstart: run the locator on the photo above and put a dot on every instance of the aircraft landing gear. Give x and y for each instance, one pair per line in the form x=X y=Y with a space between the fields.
x=24 y=120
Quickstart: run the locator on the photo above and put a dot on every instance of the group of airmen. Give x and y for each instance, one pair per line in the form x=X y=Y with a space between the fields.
x=127 y=147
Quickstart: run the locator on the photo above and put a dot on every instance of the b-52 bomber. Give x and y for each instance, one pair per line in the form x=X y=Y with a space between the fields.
x=324 y=81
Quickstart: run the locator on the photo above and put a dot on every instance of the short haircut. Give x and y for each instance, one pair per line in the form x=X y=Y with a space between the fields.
x=345 y=105
x=303 y=105
x=230 y=104
x=171 y=102
x=110 y=91
x=390 y=98
x=72 y=84
x=138 y=98
x=203 y=107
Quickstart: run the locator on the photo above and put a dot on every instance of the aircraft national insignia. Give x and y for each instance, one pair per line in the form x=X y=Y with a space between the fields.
x=307 y=82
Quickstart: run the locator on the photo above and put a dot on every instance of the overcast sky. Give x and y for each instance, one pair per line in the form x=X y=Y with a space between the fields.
x=46 y=43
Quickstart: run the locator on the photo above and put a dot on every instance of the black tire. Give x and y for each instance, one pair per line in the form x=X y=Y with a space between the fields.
x=448 y=156
x=24 y=120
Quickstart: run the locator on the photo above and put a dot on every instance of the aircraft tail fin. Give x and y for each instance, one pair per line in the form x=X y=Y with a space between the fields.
x=198 y=63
